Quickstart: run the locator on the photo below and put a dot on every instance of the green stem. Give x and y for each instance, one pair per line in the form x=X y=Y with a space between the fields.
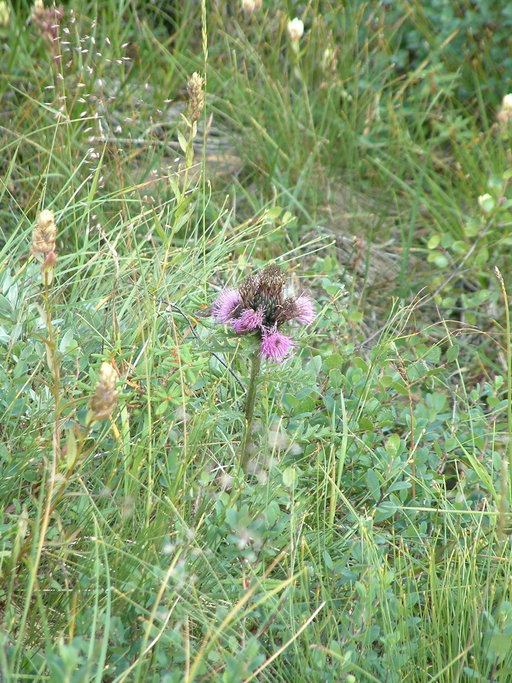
x=249 y=408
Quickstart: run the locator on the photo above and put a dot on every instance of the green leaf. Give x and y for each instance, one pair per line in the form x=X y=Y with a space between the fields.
x=274 y=212
x=392 y=445
x=333 y=361
x=452 y=353
x=290 y=477
x=372 y=482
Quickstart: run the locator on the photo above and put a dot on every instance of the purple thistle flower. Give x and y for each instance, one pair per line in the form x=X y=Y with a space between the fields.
x=248 y=321
x=305 y=309
x=260 y=305
x=275 y=346
x=225 y=306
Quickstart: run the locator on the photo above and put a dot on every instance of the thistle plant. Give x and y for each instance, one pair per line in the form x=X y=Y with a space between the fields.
x=259 y=307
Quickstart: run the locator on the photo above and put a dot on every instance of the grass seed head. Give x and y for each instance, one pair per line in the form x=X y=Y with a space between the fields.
x=47 y=19
x=195 y=91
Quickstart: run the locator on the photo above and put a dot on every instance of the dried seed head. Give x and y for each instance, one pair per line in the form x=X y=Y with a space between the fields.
x=248 y=289
x=195 y=91
x=270 y=290
x=104 y=400
x=286 y=311
x=44 y=234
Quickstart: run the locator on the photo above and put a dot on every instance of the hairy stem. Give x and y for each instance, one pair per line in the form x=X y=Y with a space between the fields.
x=249 y=408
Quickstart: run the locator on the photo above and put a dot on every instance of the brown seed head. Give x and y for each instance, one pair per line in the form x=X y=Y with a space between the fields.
x=286 y=311
x=195 y=91
x=44 y=234
x=247 y=290
x=104 y=400
x=272 y=282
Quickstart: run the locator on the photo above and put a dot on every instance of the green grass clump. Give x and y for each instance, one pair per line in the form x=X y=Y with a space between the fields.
x=369 y=539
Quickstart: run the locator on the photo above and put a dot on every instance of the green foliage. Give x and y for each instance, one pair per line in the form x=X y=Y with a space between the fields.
x=370 y=539
x=465 y=42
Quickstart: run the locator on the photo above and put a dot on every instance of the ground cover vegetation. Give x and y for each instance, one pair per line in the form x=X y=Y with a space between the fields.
x=154 y=158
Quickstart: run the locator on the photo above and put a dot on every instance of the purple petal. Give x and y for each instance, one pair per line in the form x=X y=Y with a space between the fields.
x=275 y=346
x=225 y=305
x=248 y=321
x=305 y=309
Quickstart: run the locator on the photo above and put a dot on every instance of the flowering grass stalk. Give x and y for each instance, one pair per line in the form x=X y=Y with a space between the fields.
x=259 y=307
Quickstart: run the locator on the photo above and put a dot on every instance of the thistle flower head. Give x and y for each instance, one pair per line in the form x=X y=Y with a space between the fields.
x=248 y=321
x=305 y=309
x=275 y=346
x=44 y=234
x=195 y=92
x=226 y=305
x=260 y=306
x=105 y=396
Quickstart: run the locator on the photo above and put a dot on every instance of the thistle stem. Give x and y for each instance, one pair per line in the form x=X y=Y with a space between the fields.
x=249 y=408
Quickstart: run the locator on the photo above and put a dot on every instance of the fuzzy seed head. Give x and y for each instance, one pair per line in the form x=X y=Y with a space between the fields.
x=195 y=91
x=104 y=400
x=44 y=234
